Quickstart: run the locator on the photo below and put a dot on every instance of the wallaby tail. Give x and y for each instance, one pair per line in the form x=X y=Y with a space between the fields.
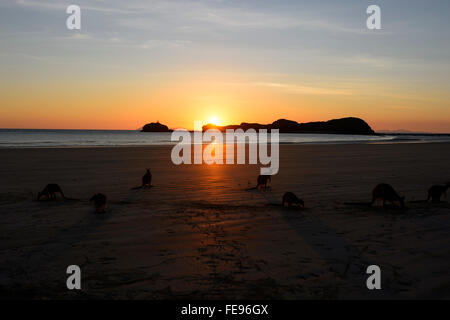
x=62 y=195
x=143 y=186
x=420 y=201
x=358 y=203
x=69 y=199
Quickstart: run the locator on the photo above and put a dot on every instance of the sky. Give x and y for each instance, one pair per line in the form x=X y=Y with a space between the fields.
x=141 y=61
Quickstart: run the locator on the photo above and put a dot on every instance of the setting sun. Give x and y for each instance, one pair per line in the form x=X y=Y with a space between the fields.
x=214 y=120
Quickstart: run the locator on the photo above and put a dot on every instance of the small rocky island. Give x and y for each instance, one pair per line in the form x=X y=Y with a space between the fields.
x=336 y=126
x=155 y=127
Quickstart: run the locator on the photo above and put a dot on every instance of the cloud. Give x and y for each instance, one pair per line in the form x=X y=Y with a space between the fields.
x=300 y=89
x=194 y=12
x=81 y=36
x=57 y=5
x=197 y=12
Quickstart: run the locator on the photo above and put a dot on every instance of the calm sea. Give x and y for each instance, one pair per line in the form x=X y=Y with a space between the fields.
x=28 y=138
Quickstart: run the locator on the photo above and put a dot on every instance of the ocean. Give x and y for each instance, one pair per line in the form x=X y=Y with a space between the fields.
x=39 y=138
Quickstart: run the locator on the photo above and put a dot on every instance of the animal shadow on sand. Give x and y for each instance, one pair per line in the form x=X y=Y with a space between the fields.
x=61 y=243
x=347 y=261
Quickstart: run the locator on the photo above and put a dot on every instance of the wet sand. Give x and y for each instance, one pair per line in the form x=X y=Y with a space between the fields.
x=199 y=234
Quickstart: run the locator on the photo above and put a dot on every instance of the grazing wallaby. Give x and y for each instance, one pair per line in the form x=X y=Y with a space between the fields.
x=436 y=192
x=385 y=192
x=99 y=202
x=50 y=192
x=147 y=179
x=262 y=181
x=291 y=199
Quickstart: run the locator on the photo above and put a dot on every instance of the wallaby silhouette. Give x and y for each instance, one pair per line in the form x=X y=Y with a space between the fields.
x=262 y=181
x=291 y=199
x=99 y=202
x=436 y=192
x=147 y=179
x=385 y=192
x=50 y=192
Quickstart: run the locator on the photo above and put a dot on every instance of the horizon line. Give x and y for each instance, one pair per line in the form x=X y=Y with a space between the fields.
x=385 y=131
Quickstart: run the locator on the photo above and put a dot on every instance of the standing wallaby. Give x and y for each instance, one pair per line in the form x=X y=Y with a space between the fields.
x=262 y=181
x=99 y=202
x=385 y=192
x=291 y=199
x=436 y=192
x=147 y=179
x=50 y=192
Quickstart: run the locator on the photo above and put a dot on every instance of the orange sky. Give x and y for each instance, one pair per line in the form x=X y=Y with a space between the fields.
x=232 y=98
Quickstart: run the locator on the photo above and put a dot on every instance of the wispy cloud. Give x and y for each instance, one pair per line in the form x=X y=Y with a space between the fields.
x=102 y=6
x=133 y=14
x=301 y=89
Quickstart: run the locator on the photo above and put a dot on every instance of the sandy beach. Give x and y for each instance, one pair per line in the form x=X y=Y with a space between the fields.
x=198 y=233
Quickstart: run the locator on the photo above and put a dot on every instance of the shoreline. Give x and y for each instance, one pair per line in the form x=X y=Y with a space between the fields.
x=325 y=143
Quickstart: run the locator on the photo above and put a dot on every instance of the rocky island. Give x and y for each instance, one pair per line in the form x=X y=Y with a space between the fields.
x=348 y=125
x=155 y=127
